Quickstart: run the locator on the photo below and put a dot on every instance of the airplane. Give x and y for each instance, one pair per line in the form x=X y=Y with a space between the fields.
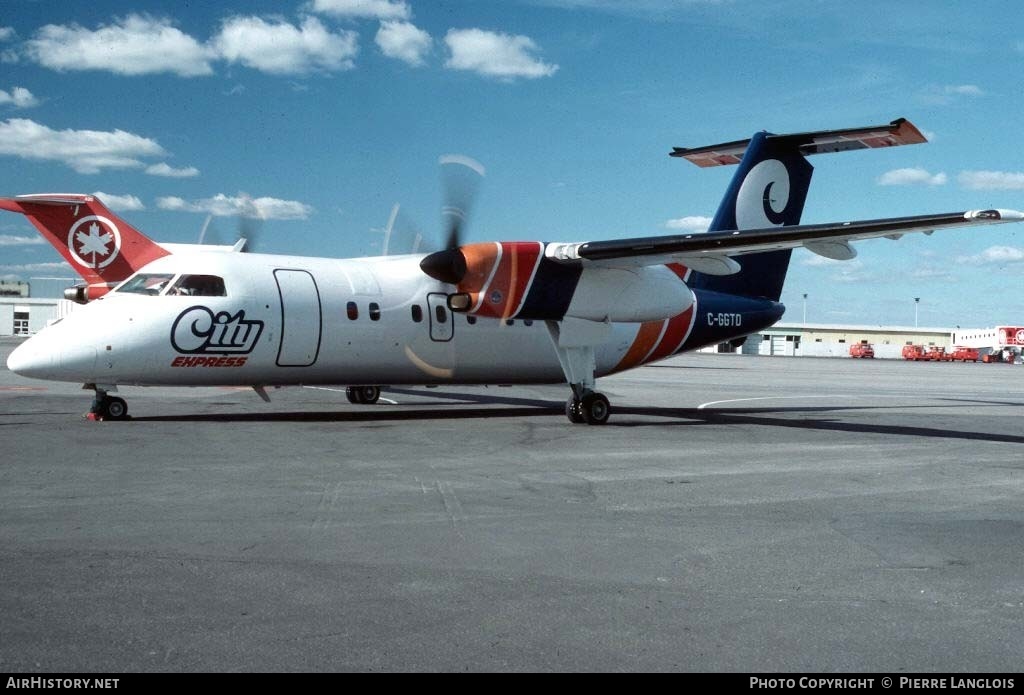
x=506 y=312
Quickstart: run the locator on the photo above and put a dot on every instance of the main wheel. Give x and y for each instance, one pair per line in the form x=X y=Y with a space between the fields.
x=572 y=410
x=363 y=395
x=595 y=409
x=115 y=408
x=369 y=394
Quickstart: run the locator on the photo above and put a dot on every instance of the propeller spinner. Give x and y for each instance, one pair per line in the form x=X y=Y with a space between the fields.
x=461 y=176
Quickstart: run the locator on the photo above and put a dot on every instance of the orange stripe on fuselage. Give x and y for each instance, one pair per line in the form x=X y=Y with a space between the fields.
x=503 y=295
x=678 y=329
x=645 y=340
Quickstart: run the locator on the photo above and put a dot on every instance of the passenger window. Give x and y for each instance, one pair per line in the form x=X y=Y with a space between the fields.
x=441 y=314
x=527 y=322
x=510 y=322
x=471 y=320
x=374 y=311
x=199 y=286
x=417 y=313
x=352 y=310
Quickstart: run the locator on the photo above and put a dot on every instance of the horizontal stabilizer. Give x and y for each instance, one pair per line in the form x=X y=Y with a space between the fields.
x=899 y=132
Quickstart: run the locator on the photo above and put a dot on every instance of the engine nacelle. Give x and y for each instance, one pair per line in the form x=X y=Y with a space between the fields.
x=629 y=295
x=505 y=280
x=83 y=294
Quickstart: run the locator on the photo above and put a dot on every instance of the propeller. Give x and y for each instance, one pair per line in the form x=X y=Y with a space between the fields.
x=249 y=226
x=402 y=235
x=461 y=176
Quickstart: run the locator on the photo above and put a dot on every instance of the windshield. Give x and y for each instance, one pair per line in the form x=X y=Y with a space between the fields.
x=199 y=286
x=145 y=283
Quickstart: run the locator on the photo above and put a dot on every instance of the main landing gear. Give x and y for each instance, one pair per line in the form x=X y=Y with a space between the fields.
x=107 y=407
x=593 y=408
x=363 y=395
x=576 y=355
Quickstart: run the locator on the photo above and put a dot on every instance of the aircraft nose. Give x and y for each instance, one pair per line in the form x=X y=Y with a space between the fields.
x=29 y=360
x=50 y=355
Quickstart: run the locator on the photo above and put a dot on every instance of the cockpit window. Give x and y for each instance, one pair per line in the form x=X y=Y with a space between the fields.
x=199 y=286
x=145 y=283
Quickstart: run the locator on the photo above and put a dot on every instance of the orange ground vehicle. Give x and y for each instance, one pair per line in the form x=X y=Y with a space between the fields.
x=863 y=350
x=964 y=354
x=914 y=352
x=938 y=354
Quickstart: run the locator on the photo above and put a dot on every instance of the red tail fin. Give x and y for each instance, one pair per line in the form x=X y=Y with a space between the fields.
x=99 y=245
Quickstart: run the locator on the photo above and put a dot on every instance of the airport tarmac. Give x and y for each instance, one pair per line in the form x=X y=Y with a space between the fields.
x=737 y=514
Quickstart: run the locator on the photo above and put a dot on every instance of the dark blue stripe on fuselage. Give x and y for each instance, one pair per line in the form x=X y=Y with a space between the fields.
x=551 y=292
x=722 y=317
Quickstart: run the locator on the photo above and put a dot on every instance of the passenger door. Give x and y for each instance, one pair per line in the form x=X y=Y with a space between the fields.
x=301 y=318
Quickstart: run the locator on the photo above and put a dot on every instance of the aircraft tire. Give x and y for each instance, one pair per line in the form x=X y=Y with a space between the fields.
x=595 y=409
x=354 y=395
x=115 y=408
x=572 y=411
x=369 y=394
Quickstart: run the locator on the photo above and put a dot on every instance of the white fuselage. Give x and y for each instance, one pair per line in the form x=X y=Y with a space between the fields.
x=297 y=320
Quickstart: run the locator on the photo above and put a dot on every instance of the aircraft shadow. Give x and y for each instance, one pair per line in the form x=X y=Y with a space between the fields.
x=514 y=407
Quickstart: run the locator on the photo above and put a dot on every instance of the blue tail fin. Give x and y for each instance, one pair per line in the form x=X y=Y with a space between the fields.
x=770 y=188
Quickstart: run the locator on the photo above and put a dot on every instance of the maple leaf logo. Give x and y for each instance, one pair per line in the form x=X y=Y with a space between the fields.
x=94 y=242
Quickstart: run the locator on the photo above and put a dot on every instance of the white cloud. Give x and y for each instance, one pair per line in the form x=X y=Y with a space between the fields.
x=19 y=96
x=34 y=267
x=7 y=240
x=690 y=223
x=911 y=176
x=120 y=202
x=280 y=48
x=6 y=33
x=134 y=45
x=85 y=151
x=164 y=169
x=994 y=255
x=991 y=180
x=813 y=260
x=365 y=9
x=965 y=90
x=222 y=205
x=493 y=54
x=404 y=41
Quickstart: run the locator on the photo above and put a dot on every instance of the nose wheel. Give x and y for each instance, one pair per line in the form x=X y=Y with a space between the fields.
x=106 y=407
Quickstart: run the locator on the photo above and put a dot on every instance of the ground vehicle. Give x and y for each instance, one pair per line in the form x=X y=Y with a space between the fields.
x=964 y=354
x=914 y=352
x=937 y=354
x=863 y=350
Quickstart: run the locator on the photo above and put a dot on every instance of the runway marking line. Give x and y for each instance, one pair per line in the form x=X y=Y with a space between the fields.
x=703 y=406
x=22 y=388
x=324 y=388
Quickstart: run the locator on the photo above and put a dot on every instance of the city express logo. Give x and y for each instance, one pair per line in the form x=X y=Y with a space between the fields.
x=211 y=339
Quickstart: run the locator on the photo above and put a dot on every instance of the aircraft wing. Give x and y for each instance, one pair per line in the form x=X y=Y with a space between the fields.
x=712 y=252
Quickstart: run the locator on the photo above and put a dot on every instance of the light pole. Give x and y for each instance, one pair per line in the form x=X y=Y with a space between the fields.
x=805 y=308
x=917 y=302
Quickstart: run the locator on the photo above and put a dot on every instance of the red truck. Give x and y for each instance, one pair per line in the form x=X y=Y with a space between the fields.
x=914 y=352
x=862 y=350
x=964 y=354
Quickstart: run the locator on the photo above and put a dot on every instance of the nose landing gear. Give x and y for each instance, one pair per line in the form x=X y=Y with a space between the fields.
x=107 y=407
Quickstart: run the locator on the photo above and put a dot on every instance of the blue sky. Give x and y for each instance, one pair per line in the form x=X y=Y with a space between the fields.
x=325 y=113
